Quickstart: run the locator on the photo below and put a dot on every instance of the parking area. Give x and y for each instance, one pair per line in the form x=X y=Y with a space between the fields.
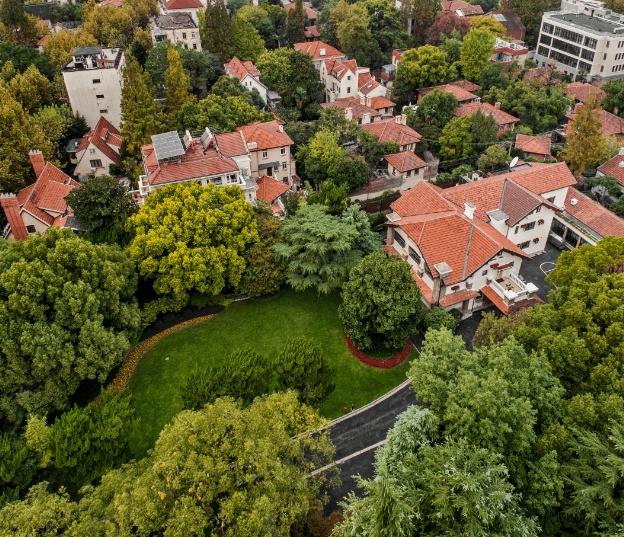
x=536 y=269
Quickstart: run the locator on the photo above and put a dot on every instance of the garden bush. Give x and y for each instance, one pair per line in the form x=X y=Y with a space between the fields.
x=439 y=318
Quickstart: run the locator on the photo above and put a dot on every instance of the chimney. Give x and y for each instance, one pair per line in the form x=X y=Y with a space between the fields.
x=577 y=107
x=497 y=106
x=366 y=118
x=349 y=113
x=38 y=162
x=470 y=209
x=281 y=128
x=368 y=101
x=444 y=272
x=363 y=101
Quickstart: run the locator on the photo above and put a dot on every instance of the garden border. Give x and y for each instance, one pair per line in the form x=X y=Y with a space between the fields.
x=382 y=364
x=133 y=356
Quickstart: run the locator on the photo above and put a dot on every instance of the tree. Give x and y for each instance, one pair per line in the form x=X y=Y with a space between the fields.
x=59 y=46
x=490 y=24
x=85 y=443
x=320 y=249
x=31 y=89
x=384 y=22
x=444 y=24
x=380 y=302
x=352 y=30
x=603 y=187
x=296 y=16
x=60 y=126
x=436 y=108
x=615 y=97
x=301 y=366
x=24 y=57
x=217 y=34
x=264 y=274
x=493 y=76
x=530 y=12
x=476 y=52
x=456 y=139
x=18 y=467
x=493 y=158
x=12 y=17
x=484 y=130
x=102 y=203
x=421 y=68
x=210 y=228
x=140 y=117
x=332 y=196
x=249 y=45
x=176 y=82
x=245 y=375
x=584 y=143
x=67 y=314
x=231 y=87
x=419 y=15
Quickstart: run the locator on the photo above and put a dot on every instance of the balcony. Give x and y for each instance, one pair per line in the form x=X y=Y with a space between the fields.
x=508 y=291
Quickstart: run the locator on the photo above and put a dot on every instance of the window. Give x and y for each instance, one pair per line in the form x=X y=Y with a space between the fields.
x=349 y=77
x=96 y=163
x=543 y=51
x=525 y=245
x=587 y=55
x=99 y=96
x=218 y=181
x=568 y=35
x=602 y=68
x=91 y=151
x=96 y=80
x=567 y=47
x=103 y=111
x=399 y=239
x=545 y=39
x=605 y=56
x=583 y=66
x=265 y=154
x=31 y=229
x=484 y=273
x=414 y=255
x=409 y=173
x=563 y=58
x=183 y=35
x=591 y=43
x=548 y=28
x=283 y=165
x=231 y=179
x=538 y=209
x=517 y=229
x=192 y=34
x=194 y=46
x=282 y=151
x=348 y=90
x=529 y=226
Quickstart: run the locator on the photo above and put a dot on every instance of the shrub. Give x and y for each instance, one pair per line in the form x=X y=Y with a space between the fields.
x=439 y=318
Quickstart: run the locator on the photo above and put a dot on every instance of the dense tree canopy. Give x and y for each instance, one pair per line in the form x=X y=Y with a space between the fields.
x=476 y=52
x=444 y=24
x=67 y=314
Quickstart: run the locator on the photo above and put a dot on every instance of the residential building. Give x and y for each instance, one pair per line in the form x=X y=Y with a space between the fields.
x=504 y=121
x=546 y=75
x=511 y=21
x=355 y=109
x=249 y=77
x=269 y=151
x=580 y=91
x=94 y=78
x=396 y=130
x=340 y=79
x=95 y=151
x=466 y=85
x=612 y=125
x=388 y=74
x=177 y=28
x=113 y=3
x=463 y=96
x=408 y=166
x=462 y=9
x=192 y=7
x=397 y=55
x=320 y=52
x=41 y=205
x=591 y=40
x=508 y=51
x=310 y=13
x=383 y=105
x=614 y=168
x=312 y=33
x=220 y=159
x=533 y=146
x=368 y=86
x=271 y=191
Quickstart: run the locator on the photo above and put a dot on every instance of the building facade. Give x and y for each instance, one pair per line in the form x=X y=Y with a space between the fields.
x=94 y=80
x=96 y=151
x=249 y=77
x=177 y=28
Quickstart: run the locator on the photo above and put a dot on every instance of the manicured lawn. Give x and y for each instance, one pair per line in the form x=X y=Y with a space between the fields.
x=262 y=326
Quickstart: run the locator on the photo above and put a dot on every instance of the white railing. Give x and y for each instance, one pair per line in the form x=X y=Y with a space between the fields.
x=521 y=295
x=506 y=295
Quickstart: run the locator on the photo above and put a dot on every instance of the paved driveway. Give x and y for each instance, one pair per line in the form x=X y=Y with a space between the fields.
x=536 y=269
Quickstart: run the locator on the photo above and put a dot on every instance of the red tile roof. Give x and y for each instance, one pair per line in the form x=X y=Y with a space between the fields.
x=266 y=135
x=381 y=102
x=541 y=178
x=500 y=117
x=11 y=208
x=311 y=31
x=582 y=90
x=240 y=69
x=231 y=144
x=269 y=189
x=389 y=130
x=496 y=299
x=102 y=137
x=593 y=215
x=404 y=161
x=461 y=94
x=533 y=144
x=367 y=84
x=114 y=3
x=315 y=47
x=421 y=200
x=311 y=13
x=338 y=69
x=614 y=168
x=43 y=40
x=466 y=85
x=457 y=297
x=611 y=124
x=543 y=73
x=425 y=290
x=357 y=109
x=466 y=8
x=390 y=249
x=183 y=4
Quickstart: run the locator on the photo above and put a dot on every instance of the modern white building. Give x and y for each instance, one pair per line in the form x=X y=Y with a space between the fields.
x=94 y=79
x=177 y=28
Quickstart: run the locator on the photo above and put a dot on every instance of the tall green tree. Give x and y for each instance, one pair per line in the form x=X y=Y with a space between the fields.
x=436 y=108
x=249 y=45
x=297 y=17
x=12 y=16
x=176 y=82
x=476 y=52
x=380 y=302
x=67 y=314
x=216 y=31
x=419 y=15
x=456 y=139
x=484 y=130
x=140 y=114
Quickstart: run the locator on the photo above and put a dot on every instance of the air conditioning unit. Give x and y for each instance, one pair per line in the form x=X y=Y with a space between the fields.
x=93 y=169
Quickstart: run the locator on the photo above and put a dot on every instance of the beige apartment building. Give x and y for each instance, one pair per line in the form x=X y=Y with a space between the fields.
x=177 y=28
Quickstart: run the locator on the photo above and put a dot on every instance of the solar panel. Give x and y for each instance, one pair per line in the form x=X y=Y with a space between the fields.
x=499 y=17
x=167 y=145
x=187 y=140
x=205 y=135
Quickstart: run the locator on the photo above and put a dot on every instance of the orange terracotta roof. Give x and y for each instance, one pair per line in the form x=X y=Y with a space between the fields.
x=367 y=84
x=390 y=249
x=357 y=109
x=500 y=117
x=114 y=3
x=12 y=211
x=543 y=73
x=541 y=178
x=266 y=135
x=422 y=199
x=231 y=144
x=614 y=168
x=457 y=297
x=269 y=189
x=404 y=161
x=311 y=13
x=311 y=31
x=466 y=8
x=589 y=212
x=425 y=290
x=533 y=144
x=43 y=40
x=611 y=124
x=466 y=85
x=102 y=137
x=315 y=47
x=461 y=94
x=496 y=299
x=388 y=130
x=338 y=69
x=381 y=102
x=582 y=90
x=183 y=4
x=240 y=69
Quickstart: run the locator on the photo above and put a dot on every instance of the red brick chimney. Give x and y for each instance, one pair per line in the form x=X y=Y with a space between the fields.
x=497 y=106
x=38 y=162
x=577 y=107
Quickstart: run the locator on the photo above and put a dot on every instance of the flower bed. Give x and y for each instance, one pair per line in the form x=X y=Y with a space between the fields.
x=384 y=364
x=132 y=357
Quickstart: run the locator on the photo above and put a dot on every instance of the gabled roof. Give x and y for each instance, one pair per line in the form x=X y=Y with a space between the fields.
x=357 y=109
x=611 y=124
x=270 y=189
x=500 y=117
x=312 y=31
x=239 y=69
x=404 y=161
x=183 y=4
x=311 y=13
x=339 y=69
x=466 y=8
x=466 y=85
x=266 y=135
x=510 y=20
x=367 y=84
x=592 y=215
x=315 y=48
x=543 y=73
x=231 y=144
x=582 y=90
x=461 y=94
x=420 y=200
x=533 y=144
x=381 y=102
x=388 y=130
x=614 y=168
x=103 y=136
x=541 y=178
x=11 y=209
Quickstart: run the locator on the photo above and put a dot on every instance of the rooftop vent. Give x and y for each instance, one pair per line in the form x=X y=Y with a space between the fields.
x=621 y=164
x=322 y=52
x=573 y=201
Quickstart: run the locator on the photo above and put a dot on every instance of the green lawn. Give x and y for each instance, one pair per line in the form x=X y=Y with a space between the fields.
x=262 y=326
